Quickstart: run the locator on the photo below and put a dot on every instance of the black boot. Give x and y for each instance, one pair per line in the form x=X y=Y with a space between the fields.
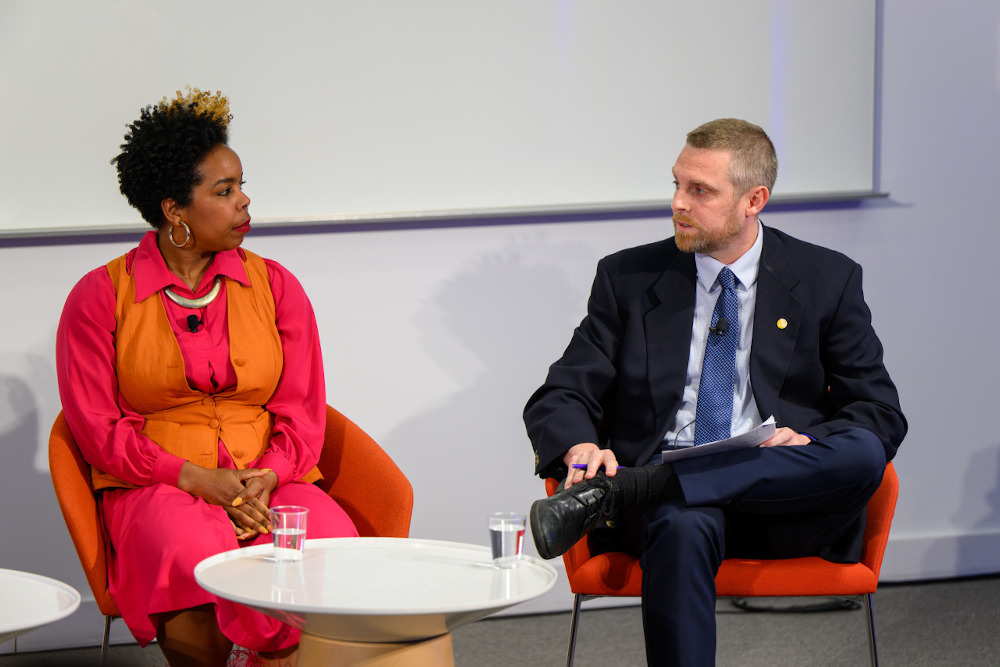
x=561 y=520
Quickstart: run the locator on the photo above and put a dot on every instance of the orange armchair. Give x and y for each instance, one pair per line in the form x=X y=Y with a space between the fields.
x=619 y=574
x=357 y=473
x=361 y=477
x=71 y=479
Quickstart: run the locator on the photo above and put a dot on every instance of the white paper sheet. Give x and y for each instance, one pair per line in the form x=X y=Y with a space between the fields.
x=751 y=438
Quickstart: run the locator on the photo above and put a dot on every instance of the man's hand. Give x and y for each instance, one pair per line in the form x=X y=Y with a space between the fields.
x=593 y=457
x=785 y=436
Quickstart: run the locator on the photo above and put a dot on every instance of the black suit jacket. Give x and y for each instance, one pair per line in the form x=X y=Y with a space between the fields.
x=620 y=381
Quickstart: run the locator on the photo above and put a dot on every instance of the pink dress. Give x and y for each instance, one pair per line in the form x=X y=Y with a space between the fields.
x=158 y=533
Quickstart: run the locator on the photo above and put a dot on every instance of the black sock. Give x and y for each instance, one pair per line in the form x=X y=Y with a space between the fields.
x=646 y=485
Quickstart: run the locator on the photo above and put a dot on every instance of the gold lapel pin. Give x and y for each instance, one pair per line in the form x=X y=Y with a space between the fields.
x=782 y=323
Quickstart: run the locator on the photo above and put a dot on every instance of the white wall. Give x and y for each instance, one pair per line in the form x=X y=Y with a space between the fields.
x=434 y=338
x=399 y=107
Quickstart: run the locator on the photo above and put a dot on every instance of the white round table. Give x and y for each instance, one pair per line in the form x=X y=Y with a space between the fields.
x=29 y=601
x=375 y=601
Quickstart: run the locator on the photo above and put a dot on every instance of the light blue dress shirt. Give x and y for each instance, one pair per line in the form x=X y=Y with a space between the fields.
x=745 y=414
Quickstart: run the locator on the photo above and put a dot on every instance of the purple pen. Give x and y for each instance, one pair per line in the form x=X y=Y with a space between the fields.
x=583 y=466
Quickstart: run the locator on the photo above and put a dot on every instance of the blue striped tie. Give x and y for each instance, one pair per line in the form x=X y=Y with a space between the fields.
x=714 y=416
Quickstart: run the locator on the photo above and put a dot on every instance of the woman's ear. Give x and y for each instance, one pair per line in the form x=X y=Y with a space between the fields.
x=171 y=210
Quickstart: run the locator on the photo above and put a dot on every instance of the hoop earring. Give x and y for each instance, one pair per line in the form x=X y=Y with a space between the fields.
x=187 y=230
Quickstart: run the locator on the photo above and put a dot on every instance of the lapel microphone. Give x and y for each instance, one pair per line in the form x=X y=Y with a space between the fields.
x=721 y=326
x=194 y=323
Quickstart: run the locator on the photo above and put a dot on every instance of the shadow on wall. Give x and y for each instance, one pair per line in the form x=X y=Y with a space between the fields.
x=495 y=328
x=35 y=536
x=977 y=549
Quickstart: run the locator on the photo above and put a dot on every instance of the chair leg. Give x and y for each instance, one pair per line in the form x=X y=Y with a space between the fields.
x=104 y=643
x=572 y=629
x=873 y=649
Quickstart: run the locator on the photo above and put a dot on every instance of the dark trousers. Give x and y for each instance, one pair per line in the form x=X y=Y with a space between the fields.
x=769 y=502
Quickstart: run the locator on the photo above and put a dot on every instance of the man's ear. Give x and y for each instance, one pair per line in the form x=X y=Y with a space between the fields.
x=757 y=198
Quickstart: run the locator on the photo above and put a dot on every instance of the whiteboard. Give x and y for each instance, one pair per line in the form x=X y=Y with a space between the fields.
x=351 y=110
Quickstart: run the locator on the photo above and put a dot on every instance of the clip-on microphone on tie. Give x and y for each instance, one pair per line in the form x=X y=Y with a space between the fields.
x=721 y=326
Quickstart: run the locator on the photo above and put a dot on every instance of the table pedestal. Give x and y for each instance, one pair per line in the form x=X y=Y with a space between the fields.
x=318 y=651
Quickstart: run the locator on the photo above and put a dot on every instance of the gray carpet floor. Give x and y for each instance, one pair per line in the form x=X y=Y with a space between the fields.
x=948 y=623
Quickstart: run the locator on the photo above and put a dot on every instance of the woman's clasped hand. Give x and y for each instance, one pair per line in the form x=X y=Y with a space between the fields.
x=244 y=494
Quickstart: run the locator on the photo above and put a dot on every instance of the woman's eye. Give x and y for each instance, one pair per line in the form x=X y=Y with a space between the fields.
x=229 y=191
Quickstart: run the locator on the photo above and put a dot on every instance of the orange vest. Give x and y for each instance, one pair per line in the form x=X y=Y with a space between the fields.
x=150 y=369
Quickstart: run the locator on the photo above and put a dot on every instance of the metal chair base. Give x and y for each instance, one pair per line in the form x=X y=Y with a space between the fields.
x=104 y=642
x=578 y=600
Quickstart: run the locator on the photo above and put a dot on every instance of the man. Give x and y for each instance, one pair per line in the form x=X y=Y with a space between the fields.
x=690 y=340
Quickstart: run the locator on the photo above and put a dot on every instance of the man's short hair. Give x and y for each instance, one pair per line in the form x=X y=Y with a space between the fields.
x=754 y=161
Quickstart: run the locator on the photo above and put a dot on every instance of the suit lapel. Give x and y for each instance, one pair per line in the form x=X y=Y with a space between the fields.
x=777 y=319
x=668 y=333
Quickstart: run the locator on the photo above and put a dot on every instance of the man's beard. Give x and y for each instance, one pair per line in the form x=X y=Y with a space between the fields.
x=697 y=239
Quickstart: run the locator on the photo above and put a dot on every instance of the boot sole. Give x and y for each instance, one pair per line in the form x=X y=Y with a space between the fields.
x=535 y=520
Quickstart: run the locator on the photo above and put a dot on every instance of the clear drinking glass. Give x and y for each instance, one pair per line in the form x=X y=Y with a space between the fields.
x=506 y=537
x=288 y=526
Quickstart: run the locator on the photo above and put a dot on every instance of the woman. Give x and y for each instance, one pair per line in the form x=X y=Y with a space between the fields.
x=190 y=374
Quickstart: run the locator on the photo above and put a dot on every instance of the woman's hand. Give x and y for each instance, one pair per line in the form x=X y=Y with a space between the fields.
x=226 y=487
x=255 y=498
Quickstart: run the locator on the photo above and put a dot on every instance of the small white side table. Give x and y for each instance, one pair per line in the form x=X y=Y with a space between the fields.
x=29 y=601
x=375 y=601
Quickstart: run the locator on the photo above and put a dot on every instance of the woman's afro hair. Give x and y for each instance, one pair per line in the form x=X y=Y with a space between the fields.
x=165 y=146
